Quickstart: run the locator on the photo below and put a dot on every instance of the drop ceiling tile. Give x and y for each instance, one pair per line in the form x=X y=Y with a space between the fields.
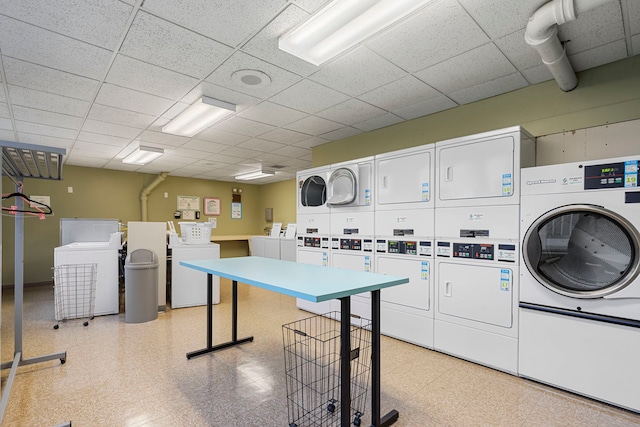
x=244 y=153
x=241 y=100
x=208 y=146
x=85 y=159
x=144 y=77
x=186 y=153
x=32 y=115
x=110 y=150
x=284 y=136
x=8 y=135
x=132 y=100
x=270 y=158
x=489 y=89
x=358 y=71
x=310 y=6
x=593 y=28
x=29 y=138
x=163 y=138
x=518 y=51
x=291 y=151
x=103 y=139
x=400 y=93
x=633 y=9
x=424 y=108
x=47 y=101
x=309 y=97
x=37 y=77
x=3 y=98
x=264 y=45
x=33 y=44
x=261 y=145
x=378 y=122
x=39 y=129
x=218 y=157
x=537 y=74
x=434 y=34
x=5 y=124
x=272 y=114
x=311 y=142
x=341 y=133
x=242 y=126
x=174 y=110
x=119 y=116
x=99 y=22
x=351 y=111
x=280 y=78
x=117 y=164
x=159 y=42
x=295 y=163
x=158 y=124
x=4 y=110
x=314 y=125
x=599 y=56
x=501 y=17
x=221 y=136
x=476 y=66
x=227 y=22
x=110 y=129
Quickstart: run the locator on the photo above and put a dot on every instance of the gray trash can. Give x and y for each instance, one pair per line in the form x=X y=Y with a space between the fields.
x=141 y=286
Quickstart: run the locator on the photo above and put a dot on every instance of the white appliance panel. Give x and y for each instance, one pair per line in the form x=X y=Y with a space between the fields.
x=360 y=223
x=494 y=222
x=477 y=170
x=107 y=284
x=265 y=246
x=477 y=293
x=288 y=249
x=404 y=177
x=352 y=180
x=360 y=303
x=595 y=359
x=314 y=223
x=311 y=191
x=189 y=286
x=410 y=222
x=315 y=257
x=417 y=292
x=406 y=324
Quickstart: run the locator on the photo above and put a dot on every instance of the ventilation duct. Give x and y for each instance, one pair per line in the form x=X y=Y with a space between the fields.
x=542 y=35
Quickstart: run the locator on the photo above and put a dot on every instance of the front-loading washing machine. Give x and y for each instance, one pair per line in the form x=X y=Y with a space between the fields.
x=311 y=192
x=580 y=283
x=476 y=286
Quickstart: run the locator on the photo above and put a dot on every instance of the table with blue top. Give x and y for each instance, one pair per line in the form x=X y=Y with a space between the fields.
x=313 y=283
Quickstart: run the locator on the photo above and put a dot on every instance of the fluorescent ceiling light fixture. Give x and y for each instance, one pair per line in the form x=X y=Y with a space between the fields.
x=262 y=173
x=199 y=116
x=143 y=155
x=342 y=24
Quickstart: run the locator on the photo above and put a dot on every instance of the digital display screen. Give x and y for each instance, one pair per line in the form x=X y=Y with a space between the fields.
x=611 y=175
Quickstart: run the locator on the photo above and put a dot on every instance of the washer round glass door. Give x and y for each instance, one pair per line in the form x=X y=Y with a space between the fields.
x=582 y=251
x=313 y=191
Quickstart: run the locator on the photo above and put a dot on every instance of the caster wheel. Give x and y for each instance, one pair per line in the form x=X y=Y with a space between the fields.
x=56 y=326
x=331 y=407
x=293 y=425
x=357 y=421
x=86 y=323
x=63 y=361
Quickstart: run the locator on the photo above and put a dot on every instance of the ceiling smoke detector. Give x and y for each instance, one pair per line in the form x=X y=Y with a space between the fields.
x=251 y=79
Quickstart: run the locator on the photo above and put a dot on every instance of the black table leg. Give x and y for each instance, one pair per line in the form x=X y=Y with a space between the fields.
x=345 y=361
x=392 y=416
x=234 y=322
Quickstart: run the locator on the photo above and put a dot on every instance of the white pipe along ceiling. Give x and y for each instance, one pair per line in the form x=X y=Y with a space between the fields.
x=542 y=35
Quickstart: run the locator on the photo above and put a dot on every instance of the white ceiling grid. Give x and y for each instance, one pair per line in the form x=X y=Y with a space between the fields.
x=99 y=77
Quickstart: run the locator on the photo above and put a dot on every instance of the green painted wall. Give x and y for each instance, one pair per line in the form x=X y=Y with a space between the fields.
x=606 y=94
x=281 y=197
x=103 y=193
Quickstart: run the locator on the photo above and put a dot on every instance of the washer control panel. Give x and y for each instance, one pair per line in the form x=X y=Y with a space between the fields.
x=313 y=242
x=404 y=247
x=473 y=250
x=504 y=252
x=349 y=244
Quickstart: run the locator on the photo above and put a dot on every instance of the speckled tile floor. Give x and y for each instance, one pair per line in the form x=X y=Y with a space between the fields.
x=120 y=374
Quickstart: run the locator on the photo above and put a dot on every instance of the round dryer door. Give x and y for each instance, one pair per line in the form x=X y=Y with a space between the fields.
x=313 y=191
x=582 y=251
x=343 y=186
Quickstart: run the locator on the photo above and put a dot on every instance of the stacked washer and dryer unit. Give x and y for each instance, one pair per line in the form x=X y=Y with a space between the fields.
x=580 y=287
x=477 y=210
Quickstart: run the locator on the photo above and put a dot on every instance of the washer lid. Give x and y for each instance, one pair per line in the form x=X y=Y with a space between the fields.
x=342 y=187
x=582 y=251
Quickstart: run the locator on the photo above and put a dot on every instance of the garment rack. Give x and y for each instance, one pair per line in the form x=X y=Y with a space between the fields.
x=20 y=161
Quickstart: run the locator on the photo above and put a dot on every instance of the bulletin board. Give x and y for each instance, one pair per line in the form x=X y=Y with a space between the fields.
x=211 y=206
x=188 y=203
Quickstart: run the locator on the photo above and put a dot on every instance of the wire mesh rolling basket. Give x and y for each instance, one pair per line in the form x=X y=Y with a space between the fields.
x=312 y=367
x=75 y=292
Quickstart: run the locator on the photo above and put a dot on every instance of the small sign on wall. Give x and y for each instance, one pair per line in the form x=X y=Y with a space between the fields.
x=236 y=210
